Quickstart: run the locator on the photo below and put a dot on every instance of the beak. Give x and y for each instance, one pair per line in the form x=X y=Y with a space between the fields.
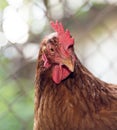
x=68 y=63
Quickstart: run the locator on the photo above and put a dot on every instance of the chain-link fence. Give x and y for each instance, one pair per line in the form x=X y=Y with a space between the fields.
x=24 y=23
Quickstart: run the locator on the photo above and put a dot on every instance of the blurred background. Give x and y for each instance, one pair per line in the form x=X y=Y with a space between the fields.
x=24 y=23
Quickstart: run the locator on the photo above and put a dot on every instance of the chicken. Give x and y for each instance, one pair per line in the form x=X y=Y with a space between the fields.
x=67 y=95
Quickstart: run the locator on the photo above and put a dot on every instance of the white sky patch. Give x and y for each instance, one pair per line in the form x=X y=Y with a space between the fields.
x=53 y=2
x=10 y=52
x=56 y=13
x=38 y=21
x=100 y=62
x=25 y=12
x=14 y=27
x=15 y=3
x=3 y=40
x=31 y=50
x=74 y=4
x=37 y=12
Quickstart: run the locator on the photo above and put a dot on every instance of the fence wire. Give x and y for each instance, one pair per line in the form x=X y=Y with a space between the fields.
x=92 y=23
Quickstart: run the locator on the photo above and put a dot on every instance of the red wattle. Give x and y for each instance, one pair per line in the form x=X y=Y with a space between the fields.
x=59 y=73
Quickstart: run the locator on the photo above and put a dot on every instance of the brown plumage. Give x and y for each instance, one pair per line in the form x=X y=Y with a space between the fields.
x=79 y=101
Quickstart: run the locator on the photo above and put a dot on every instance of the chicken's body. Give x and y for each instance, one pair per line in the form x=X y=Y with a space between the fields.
x=79 y=102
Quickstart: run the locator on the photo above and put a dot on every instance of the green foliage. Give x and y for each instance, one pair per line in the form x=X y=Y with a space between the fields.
x=16 y=100
x=3 y=4
x=16 y=108
x=82 y=15
x=98 y=5
x=10 y=122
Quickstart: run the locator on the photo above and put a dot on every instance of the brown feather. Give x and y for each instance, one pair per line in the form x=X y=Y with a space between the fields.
x=80 y=102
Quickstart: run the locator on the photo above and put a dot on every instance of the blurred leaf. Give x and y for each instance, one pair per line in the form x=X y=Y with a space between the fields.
x=10 y=122
x=99 y=5
x=3 y=4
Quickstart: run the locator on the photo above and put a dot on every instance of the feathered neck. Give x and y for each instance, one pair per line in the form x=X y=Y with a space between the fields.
x=81 y=83
x=81 y=77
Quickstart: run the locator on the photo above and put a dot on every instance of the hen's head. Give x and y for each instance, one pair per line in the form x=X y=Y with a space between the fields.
x=57 y=53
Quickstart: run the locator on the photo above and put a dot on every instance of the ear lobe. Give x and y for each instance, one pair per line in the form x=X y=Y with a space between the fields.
x=46 y=63
x=43 y=48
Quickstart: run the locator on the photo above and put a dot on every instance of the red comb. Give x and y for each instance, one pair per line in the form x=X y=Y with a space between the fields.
x=64 y=35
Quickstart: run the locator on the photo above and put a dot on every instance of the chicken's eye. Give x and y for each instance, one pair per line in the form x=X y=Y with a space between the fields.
x=52 y=50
